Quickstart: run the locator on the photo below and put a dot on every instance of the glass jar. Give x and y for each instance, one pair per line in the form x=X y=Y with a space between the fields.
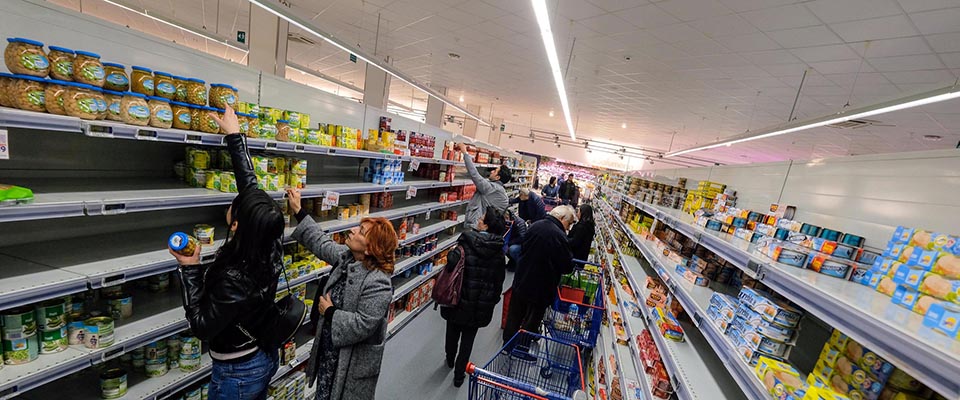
x=29 y=92
x=101 y=102
x=181 y=84
x=161 y=115
x=163 y=85
x=196 y=92
x=244 y=120
x=141 y=80
x=113 y=100
x=195 y=117
x=222 y=95
x=208 y=124
x=181 y=115
x=283 y=130
x=61 y=63
x=79 y=101
x=253 y=131
x=87 y=69
x=116 y=77
x=53 y=97
x=6 y=90
x=26 y=57
x=134 y=109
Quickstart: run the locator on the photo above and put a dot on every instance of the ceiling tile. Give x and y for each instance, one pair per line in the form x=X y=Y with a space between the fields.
x=770 y=57
x=935 y=76
x=691 y=10
x=940 y=21
x=831 y=11
x=748 y=71
x=826 y=53
x=702 y=47
x=947 y=42
x=748 y=43
x=892 y=47
x=723 y=60
x=458 y=16
x=785 y=17
x=926 y=5
x=648 y=16
x=664 y=51
x=615 y=5
x=748 y=5
x=724 y=25
x=577 y=9
x=482 y=10
x=785 y=70
x=840 y=67
x=951 y=59
x=804 y=37
x=677 y=33
x=896 y=26
x=607 y=24
x=906 y=63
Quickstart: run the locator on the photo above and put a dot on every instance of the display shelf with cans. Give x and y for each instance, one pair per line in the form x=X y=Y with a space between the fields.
x=403 y=318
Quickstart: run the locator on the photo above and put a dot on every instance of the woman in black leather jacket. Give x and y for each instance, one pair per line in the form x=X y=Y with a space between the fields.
x=240 y=284
x=582 y=233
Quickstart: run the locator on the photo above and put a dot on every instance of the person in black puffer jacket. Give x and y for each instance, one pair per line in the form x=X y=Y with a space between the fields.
x=582 y=233
x=483 y=274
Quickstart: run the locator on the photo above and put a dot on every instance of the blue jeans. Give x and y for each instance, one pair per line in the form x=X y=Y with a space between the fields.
x=514 y=252
x=247 y=380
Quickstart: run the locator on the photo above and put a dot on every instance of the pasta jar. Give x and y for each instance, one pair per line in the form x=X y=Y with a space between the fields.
x=116 y=77
x=26 y=57
x=283 y=130
x=79 y=101
x=87 y=69
x=181 y=84
x=181 y=115
x=113 y=100
x=254 y=130
x=134 y=109
x=29 y=92
x=53 y=97
x=6 y=90
x=196 y=117
x=222 y=95
x=161 y=115
x=196 y=92
x=61 y=63
x=163 y=85
x=141 y=80
x=207 y=123
x=244 y=120
x=101 y=102
x=183 y=244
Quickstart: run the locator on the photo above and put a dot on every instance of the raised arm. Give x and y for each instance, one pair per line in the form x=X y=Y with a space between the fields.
x=483 y=184
x=237 y=146
x=311 y=235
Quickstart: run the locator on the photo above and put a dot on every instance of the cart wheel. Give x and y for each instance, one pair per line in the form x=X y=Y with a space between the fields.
x=546 y=371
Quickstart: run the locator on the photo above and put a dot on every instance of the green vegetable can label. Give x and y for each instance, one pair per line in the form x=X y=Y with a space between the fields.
x=52 y=315
x=20 y=351
x=19 y=323
x=113 y=384
x=54 y=341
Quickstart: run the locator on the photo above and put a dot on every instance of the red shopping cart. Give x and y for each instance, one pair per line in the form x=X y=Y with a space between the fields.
x=547 y=369
x=576 y=314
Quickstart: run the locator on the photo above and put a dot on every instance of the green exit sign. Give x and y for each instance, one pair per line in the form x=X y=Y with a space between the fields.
x=241 y=36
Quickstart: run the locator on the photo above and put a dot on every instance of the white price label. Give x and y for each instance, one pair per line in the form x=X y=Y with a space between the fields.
x=330 y=200
x=426 y=216
x=411 y=192
x=4 y=145
x=414 y=165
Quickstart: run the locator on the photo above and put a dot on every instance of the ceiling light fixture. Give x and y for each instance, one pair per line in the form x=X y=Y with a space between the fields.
x=932 y=138
x=461 y=98
x=543 y=19
x=933 y=96
x=551 y=113
x=285 y=13
x=177 y=25
x=623 y=125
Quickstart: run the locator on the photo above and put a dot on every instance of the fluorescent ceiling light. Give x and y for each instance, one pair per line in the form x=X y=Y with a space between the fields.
x=284 y=13
x=177 y=25
x=543 y=19
x=933 y=96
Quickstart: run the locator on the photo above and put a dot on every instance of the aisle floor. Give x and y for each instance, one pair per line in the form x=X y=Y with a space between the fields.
x=413 y=362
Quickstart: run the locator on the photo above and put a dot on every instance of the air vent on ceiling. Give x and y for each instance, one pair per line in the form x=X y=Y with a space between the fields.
x=299 y=38
x=857 y=123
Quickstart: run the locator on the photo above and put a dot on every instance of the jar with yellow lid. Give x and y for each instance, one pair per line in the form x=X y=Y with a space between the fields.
x=181 y=84
x=80 y=101
x=163 y=85
x=61 y=63
x=181 y=115
x=134 y=109
x=161 y=115
x=87 y=69
x=113 y=99
x=141 y=80
x=26 y=57
x=196 y=92
x=222 y=95
x=53 y=97
x=116 y=77
x=28 y=93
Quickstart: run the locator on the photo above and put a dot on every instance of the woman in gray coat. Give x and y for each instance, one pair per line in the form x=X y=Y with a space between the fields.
x=348 y=347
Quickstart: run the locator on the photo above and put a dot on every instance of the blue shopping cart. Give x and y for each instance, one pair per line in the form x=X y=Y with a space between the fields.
x=547 y=369
x=585 y=290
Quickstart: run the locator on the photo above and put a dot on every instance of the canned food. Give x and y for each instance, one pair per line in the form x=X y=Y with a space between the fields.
x=98 y=332
x=173 y=343
x=154 y=352
x=157 y=369
x=53 y=341
x=189 y=346
x=19 y=323
x=51 y=314
x=75 y=332
x=158 y=283
x=188 y=364
x=121 y=307
x=112 y=291
x=192 y=394
x=113 y=383
x=204 y=390
x=21 y=350
x=203 y=233
x=173 y=362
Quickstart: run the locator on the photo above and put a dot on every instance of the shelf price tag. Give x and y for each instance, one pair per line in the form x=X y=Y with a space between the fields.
x=414 y=165
x=426 y=216
x=4 y=145
x=411 y=192
x=330 y=200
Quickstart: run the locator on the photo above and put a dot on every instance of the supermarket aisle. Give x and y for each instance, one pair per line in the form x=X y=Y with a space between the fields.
x=413 y=363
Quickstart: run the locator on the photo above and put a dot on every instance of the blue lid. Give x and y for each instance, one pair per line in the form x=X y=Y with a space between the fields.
x=59 y=82
x=112 y=93
x=283 y=121
x=178 y=241
x=135 y=94
x=177 y=103
x=30 y=78
x=94 y=88
x=139 y=68
x=219 y=110
x=22 y=40
x=6 y=75
x=180 y=78
x=61 y=49
x=115 y=65
x=158 y=73
x=196 y=80
x=151 y=98
x=87 y=53
x=223 y=85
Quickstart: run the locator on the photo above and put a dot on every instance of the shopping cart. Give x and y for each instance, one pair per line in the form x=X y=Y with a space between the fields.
x=583 y=288
x=547 y=369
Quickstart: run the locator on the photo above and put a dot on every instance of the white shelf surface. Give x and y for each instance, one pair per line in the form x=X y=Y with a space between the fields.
x=402 y=319
x=24 y=282
x=869 y=317
x=410 y=262
x=416 y=281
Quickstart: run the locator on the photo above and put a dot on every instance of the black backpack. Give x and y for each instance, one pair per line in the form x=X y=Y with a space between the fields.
x=279 y=321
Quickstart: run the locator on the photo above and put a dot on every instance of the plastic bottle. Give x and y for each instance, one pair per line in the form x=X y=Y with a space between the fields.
x=572 y=317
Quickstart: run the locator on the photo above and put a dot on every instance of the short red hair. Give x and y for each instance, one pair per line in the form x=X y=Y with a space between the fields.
x=381 y=244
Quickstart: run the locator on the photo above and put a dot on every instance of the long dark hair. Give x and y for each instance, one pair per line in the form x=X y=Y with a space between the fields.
x=553 y=180
x=494 y=221
x=256 y=244
x=586 y=214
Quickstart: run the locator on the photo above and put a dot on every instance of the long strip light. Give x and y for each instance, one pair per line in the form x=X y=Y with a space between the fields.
x=543 y=19
x=284 y=14
x=177 y=25
x=917 y=100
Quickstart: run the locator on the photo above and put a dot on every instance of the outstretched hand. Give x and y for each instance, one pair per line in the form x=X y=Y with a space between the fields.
x=462 y=147
x=293 y=198
x=229 y=123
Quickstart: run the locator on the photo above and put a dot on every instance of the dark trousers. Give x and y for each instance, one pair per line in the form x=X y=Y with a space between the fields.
x=465 y=335
x=522 y=315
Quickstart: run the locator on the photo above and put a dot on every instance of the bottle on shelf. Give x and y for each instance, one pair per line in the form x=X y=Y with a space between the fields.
x=573 y=318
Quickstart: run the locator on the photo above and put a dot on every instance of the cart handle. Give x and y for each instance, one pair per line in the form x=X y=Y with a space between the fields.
x=559 y=296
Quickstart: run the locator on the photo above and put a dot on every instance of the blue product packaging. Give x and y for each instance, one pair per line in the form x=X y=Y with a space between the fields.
x=909 y=277
x=781 y=234
x=944 y=317
x=846 y=252
x=852 y=240
x=861 y=276
x=868 y=257
x=906 y=298
x=893 y=250
x=902 y=235
x=923 y=258
x=714 y=225
x=811 y=230
x=830 y=234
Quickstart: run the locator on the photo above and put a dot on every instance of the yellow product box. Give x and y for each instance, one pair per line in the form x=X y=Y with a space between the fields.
x=298 y=166
x=821 y=393
x=304 y=121
x=828 y=355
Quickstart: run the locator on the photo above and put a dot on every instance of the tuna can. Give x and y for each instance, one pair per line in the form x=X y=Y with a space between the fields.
x=21 y=350
x=136 y=359
x=51 y=314
x=53 y=341
x=173 y=362
x=75 y=332
x=113 y=383
x=98 y=332
x=192 y=394
x=203 y=233
x=173 y=343
x=204 y=390
x=189 y=346
x=158 y=283
x=157 y=369
x=19 y=323
x=189 y=363
x=155 y=351
x=111 y=292
x=120 y=306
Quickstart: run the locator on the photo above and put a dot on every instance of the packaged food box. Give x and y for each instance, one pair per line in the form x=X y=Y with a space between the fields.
x=948 y=265
x=779 y=378
x=869 y=361
x=722 y=300
x=838 y=340
x=822 y=393
x=859 y=379
x=944 y=317
x=894 y=250
x=828 y=355
x=771 y=310
x=667 y=324
x=823 y=264
x=758 y=342
x=913 y=300
x=883 y=266
x=755 y=322
x=861 y=276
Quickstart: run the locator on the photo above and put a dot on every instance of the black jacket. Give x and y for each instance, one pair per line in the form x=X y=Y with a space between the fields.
x=219 y=298
x=532 y=209
x=581 y=237
x=518 y=230
x=545 y=257
x=483 y=274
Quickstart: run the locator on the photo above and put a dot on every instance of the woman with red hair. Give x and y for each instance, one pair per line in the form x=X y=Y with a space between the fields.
x=348 y=347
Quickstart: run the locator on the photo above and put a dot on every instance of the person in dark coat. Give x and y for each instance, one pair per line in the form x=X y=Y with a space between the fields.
x=582 y=233
x=544 y=258
x=552 y=189
x=483 y=274
x=531 y=207
x=516 y=233
x=569 y=192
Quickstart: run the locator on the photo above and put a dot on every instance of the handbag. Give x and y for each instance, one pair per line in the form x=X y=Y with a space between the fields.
x=280 y=320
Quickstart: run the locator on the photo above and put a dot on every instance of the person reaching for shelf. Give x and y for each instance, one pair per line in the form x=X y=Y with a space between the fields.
x=490 y=191
x=225 y=302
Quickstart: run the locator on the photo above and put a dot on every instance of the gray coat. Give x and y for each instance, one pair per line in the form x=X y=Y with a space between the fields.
x=359 y=325
x=489 y=193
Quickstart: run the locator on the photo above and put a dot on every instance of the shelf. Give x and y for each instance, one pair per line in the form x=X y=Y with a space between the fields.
x=302 y=356
x=394 y=213
x=23 y=282
x=404 y=318
x=432 y=229
x=415 y=282
x=411 y=262
x=13 y=118
x=869 y=317
x=174 y=381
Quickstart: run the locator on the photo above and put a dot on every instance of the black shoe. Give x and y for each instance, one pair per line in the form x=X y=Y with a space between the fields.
x=458 y=380
x=450 y=362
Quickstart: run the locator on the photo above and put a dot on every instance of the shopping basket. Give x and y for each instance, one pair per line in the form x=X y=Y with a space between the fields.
x=584 y=289
x=547 y=369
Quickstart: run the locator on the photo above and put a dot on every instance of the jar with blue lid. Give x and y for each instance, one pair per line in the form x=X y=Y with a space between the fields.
x=113 y=100
x=163 y=85
x=80 y=101
x=196 y=92
x=28 y=92
x=181 y=115
x=101 y=102
x=116 y=77
x=134 y=109
x=222 y=95
x=53 y=96
x=6 y=90
x=180 y=83
x=26 y=57
x=161 y=115
x=88 y=69
x=207 y=123
x=61 y=63
x=141 y=80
